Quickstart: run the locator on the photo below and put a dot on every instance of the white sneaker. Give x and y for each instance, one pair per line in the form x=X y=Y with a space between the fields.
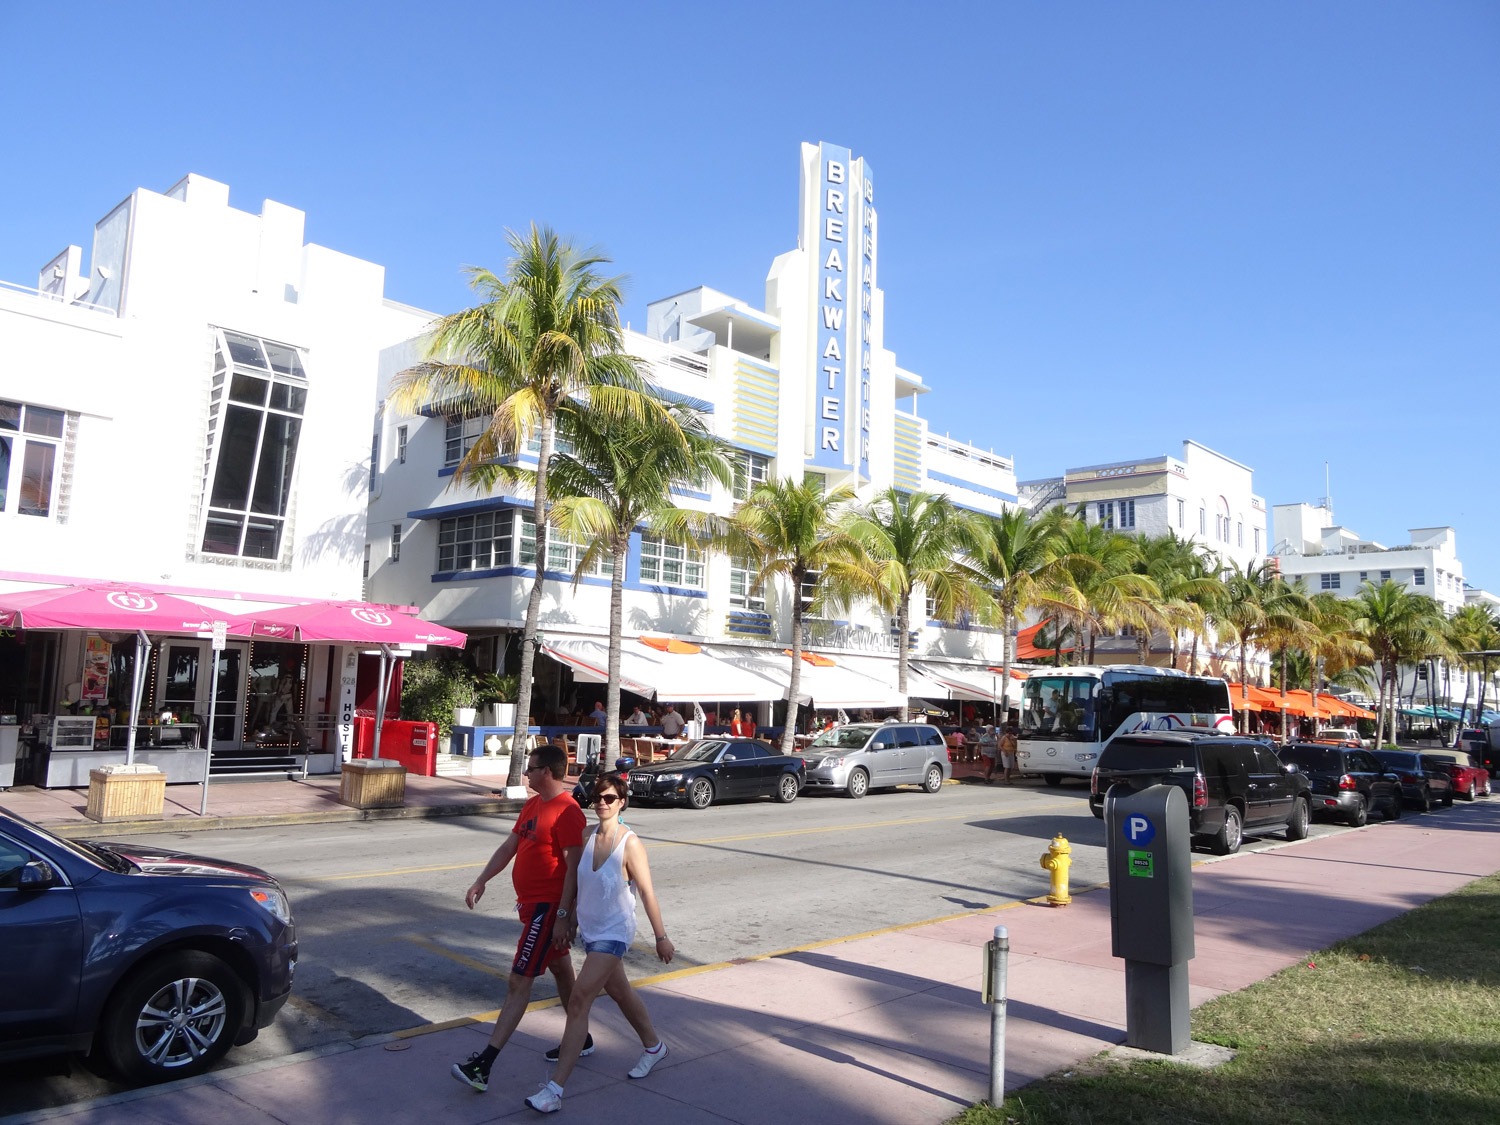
x=649 y=1059
x=544 y=1100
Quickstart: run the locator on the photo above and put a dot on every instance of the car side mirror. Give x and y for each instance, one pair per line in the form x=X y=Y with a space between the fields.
x=37 y=876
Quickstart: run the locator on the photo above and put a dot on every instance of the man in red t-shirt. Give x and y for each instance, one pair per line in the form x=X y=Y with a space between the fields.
x=545 y=843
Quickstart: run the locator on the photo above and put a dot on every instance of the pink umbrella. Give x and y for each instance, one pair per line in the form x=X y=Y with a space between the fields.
x=106 y=608
x=347 y=623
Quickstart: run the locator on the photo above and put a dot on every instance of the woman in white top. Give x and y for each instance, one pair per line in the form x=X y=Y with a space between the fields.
x=611 y=871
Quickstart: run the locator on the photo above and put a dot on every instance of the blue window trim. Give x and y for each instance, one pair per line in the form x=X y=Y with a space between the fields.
x=469 y=507
x=971 y=486
x=691 y=493
x=560 y=576
x=703 y=406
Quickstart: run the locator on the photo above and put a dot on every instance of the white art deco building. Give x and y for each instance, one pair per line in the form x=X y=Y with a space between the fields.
x=801 y=383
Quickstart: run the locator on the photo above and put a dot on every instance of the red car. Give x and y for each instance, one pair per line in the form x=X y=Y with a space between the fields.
x=1469 y=780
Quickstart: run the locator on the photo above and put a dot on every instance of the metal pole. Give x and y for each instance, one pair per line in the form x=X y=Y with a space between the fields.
x=999 y=953
x=380 y=697
x=208 y=738
x=142 y=647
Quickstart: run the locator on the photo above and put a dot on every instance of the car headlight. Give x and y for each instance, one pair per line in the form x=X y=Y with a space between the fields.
x=669 y=777
x=275 y=901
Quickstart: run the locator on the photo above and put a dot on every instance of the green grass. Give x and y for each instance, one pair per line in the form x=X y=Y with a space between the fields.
x=1400 y=1024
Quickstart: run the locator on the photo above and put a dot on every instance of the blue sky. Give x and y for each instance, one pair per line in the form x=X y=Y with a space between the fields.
x=1271 y=227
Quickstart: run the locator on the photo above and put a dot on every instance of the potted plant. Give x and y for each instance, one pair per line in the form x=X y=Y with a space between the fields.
x=498 y=695
x=439 y=690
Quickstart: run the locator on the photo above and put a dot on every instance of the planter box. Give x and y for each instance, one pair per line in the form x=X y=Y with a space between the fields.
x=502 y=714
x=120 y=792
x=373 y=783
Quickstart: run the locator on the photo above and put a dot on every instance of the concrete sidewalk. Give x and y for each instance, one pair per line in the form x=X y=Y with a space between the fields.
x=882 y=1027
x=234 y=803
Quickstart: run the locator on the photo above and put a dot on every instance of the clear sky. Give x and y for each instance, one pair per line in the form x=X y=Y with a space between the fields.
x=1269 y=226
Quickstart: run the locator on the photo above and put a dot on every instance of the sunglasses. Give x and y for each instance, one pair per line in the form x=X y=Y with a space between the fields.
x=606 y=798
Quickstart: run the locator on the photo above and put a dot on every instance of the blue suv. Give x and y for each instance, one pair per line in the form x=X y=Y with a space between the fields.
x=154 y=962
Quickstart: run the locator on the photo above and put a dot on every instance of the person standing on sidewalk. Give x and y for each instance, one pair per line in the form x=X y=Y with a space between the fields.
x=1008 y=751
x=545 y=844
x=612 y=870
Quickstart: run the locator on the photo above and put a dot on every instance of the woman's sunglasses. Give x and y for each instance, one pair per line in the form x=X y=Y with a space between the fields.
x=606 y=798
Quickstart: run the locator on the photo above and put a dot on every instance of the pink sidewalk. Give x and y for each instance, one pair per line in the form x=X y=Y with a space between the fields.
x=886 y=1028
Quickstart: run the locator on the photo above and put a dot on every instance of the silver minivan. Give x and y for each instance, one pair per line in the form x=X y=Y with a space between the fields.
x=858 y=757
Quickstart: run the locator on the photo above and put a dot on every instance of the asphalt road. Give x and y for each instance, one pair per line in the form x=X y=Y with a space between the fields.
x=386 y=942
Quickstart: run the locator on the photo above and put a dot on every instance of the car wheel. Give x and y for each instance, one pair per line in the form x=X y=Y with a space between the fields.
x=174 y=1017
x=1359 y=814
x=786 y=788
x=859 y=784
x=1448 y=797
x=1227 y=841
x=1393 y=808
x=1097 y=811
x=934 y=780
x=1424 y=800
x=1473 y=791
x=1296 y=828
x=1052 y=780
x=701 y=793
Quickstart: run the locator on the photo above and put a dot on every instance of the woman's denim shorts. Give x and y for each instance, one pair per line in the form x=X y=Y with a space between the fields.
x=613 y=948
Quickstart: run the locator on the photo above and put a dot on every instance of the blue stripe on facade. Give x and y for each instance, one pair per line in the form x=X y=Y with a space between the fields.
x=469 y=507
x=632 y=579
x=971 y=486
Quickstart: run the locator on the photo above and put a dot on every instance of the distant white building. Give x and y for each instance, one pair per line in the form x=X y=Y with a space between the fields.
x=802 y=387
x=1330 y=558
x=187 y=408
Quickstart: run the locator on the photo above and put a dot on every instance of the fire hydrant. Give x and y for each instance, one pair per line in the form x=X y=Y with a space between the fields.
x=1058 y=860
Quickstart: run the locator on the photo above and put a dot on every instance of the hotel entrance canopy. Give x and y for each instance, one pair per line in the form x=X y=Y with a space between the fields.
x=678 y=673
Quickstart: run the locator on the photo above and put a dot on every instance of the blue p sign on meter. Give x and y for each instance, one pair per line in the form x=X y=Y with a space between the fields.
x=1139 y=829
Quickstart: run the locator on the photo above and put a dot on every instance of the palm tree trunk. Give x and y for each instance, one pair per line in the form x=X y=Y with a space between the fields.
x=1244 y=688
x=1176 y=648
x=533 y=610
x=1005 y=651
x=903 y=658
x=616 y=617
x=789 y=732
x=1193 y=663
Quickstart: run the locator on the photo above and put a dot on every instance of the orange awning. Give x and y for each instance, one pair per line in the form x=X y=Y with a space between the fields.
x=816 y=659
x=1014 y=673
x=1025 y=643
x=670 y=644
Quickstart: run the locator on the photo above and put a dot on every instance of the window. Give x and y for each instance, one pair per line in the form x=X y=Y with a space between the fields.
x=741 y=582
x=400 y=445
x=670 y=564
x=1257 y=540
x=930 y=607
x=810 y=589
x=1385 y=576
x=485 y=540
x=395 y=542
x=1330 y=581
x=254 y=425
x=1182 y=513
x=1364 y=576
x=1203 y=521
x=375 y=456
x=1419 y=576
x=560 y=444
x=367 y=562
x=565 y=554
x=459 y=436
x=1126 y=510
x=815 y=481
x=28 y=464
x=1239 y=538
x=751 y=470
x=1107 y=515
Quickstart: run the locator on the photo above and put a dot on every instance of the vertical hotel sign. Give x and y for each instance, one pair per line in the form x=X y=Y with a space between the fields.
x=844 y=212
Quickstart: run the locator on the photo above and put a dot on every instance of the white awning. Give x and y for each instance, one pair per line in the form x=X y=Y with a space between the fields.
x=828 y=686
x=969 y=682
x=887 y=671
x=671 y=677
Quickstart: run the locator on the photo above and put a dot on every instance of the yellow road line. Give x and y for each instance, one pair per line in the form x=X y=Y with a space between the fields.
x=659 y=845
x=453 y=955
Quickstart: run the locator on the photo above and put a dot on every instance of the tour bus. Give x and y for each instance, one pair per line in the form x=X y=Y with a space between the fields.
x=1068 y=714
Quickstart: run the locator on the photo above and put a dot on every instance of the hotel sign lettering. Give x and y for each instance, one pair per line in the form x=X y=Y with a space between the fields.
x=844 y=214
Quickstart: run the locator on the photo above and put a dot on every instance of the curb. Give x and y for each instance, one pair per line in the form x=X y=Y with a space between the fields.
x=91 y=830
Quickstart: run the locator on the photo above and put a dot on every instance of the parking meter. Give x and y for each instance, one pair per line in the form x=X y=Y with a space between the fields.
x=1151 y=911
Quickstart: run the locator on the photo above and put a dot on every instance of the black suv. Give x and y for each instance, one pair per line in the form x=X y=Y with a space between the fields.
x=1346 y=782
x=155 y=962
x=1233 y=785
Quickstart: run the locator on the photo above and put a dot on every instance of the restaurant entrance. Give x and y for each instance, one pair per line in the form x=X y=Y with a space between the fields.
x=182 y=687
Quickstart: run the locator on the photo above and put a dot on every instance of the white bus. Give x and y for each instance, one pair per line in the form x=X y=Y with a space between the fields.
x=1068 y=714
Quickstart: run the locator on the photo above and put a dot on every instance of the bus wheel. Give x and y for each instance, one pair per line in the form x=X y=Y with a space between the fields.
x=1052 y=780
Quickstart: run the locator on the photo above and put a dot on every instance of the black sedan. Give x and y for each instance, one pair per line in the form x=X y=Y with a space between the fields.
x=1423 y=779
x=155 y=962
x=712 y=769
x=1346 y=782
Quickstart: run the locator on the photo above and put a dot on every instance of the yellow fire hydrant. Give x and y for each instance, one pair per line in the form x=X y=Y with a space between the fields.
x=1058 y=860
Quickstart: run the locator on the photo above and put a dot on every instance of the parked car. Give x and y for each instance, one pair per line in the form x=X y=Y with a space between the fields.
x=1345 y=782
x=858 y=757
x=1423 y=779
x=711 y=769
x=1469 y=780
x=154 y=962
x=1233 y=785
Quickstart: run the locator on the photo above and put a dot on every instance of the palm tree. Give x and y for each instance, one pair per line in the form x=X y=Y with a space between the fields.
x=546 y=332
x=1395 y=623
x=1259 y=610
x=911 y=540
x=1015 y=554
x=1184 y=583
x=794 y=530
x=1474 y=628
x=616 y=475
x=1096 y=587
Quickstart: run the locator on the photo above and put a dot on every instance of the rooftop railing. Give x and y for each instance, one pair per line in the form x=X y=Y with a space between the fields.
x=56 y=298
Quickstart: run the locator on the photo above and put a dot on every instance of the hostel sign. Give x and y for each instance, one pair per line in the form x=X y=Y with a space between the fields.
x=844 y=220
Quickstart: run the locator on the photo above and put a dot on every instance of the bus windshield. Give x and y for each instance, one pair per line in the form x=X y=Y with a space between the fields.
x=1059 y=708
x=1197 y=701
